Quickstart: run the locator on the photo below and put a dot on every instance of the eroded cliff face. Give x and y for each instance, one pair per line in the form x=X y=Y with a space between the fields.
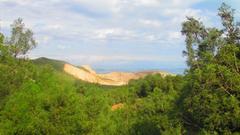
x=86 y=73
x=80 y=73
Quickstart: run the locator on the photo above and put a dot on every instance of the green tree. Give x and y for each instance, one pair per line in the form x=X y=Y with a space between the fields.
x=231 y=28
x=212 y=103
x=1 y=44
x=21 y=40
x=1 y=39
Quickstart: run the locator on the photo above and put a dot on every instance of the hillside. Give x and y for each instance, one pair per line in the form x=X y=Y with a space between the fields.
x=86 y=73
x=56 y=64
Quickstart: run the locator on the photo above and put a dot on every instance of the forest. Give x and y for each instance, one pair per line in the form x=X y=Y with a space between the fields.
x=37 y=97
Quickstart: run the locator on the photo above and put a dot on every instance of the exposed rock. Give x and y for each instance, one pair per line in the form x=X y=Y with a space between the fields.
x=88 y=68
x=81 y=73
x=117 y=106
x=86 y=73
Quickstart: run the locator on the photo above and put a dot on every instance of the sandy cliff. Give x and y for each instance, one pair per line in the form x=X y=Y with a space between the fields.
x=86 y=73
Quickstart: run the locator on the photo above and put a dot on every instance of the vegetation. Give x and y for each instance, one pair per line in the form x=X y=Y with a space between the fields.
x=214 y=76
x=36 y=97
x=21 y=40
x=56 y=64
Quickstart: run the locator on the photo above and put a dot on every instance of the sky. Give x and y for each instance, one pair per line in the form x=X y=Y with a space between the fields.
x=126 y=35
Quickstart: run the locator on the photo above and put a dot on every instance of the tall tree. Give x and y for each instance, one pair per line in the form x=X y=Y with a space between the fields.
x=231 y=28
x=21 y=40
x=195 y=32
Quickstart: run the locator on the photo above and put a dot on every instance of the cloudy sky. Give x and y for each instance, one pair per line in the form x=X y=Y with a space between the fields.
x=113 y=34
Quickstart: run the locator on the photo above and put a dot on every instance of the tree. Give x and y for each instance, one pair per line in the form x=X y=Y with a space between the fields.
x=21 y=40
x=1 y=38
x=213 y=101
x=1 y=43
x=195 y=32
x=4 y=50
x=201 y=42
x=230 y=27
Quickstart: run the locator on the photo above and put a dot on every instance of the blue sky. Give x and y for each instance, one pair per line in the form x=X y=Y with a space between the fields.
x=111 y=34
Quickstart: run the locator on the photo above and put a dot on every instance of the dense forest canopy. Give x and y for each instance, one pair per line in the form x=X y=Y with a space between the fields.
x=38 y=98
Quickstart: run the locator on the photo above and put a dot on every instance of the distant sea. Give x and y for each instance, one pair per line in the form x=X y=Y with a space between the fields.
x=136 y=67
x=179 y=71
x=172 y=67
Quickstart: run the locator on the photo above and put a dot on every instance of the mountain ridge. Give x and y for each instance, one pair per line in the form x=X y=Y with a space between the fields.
x=86 y=73
x=112 y=78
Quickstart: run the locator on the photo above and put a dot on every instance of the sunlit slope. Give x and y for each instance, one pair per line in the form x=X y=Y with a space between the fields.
x=86 y=73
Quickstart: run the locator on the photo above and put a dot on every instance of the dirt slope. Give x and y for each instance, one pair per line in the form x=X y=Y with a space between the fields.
x=86 y=73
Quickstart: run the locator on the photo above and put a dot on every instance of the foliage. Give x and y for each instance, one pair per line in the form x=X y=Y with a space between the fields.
x=37 y=97
x=156 y=111
x=212 y=104
x=42 y=105
x=21 y=40
x=56 y=64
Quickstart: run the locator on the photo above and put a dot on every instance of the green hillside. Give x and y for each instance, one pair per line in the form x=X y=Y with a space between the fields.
x=56 y=64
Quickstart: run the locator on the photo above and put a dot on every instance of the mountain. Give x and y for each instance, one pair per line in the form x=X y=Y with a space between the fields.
x=86 y=73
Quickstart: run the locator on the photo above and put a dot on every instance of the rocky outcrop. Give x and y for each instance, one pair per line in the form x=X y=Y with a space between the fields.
x=86 y=73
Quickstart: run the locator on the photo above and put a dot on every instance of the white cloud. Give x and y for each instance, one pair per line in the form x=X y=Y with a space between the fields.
x=113 y=33
x=62 y=47
x=150 y=3
x=151 y=38
x=4 y=24
x=101 y=5
x=43 y=39
x=150 y=23
x=58 y=21
x=71 y=23
x=174 y=35
x=54 y=27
